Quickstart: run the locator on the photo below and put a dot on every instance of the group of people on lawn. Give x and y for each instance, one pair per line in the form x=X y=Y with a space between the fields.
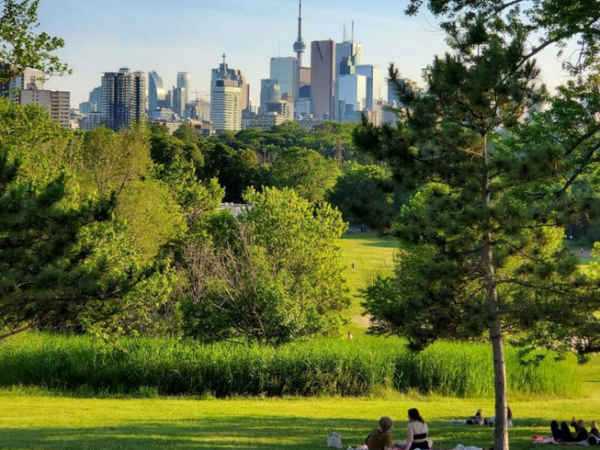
x=381 y=438
x=562 y=433
x=417 y=432
x=417 y=436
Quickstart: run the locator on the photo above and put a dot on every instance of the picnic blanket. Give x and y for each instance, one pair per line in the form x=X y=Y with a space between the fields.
x=550 y=440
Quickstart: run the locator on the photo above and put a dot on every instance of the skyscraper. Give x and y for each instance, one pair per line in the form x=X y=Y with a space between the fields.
x=183 y=81
x=179 y=96
x=348 y=55
x=373 y=74
x=270 y=91
x=285 y=70
x=322 y=75
x=226 y=98
x=156 y=92
x=299 y=45
x=225 y=73
x=123 y=98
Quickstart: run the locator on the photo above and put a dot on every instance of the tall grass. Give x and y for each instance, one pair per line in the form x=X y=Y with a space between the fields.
x=320 y=367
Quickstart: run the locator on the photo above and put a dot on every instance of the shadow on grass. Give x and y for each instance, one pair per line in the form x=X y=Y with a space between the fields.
x=242 y=432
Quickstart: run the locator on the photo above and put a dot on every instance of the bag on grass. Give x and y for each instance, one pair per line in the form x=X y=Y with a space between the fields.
x=334 y=440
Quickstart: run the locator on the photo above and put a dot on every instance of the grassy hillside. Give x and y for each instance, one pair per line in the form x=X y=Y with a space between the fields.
x=372 y=255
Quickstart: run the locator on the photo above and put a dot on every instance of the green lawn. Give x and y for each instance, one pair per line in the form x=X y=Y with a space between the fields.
x=372 y=255
x=58 y=423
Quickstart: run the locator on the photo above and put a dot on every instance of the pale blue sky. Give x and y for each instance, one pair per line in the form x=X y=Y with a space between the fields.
x=191 y=35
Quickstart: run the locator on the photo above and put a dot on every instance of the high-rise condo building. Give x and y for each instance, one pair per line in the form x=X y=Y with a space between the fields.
x=183 y=81
x=156 y=92
x=56 y=102
x=225 y=111
x=322 y=77
x=227 y=94
x=286 y=71
x=123 y=99
x=179 y=102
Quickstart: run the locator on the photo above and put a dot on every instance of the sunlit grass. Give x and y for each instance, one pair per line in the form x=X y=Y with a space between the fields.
x=372 y=255
x=55 y=423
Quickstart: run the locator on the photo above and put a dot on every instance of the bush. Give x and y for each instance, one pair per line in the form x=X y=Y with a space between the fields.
x=319 y=367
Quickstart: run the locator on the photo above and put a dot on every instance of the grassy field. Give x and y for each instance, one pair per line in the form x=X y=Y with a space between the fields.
x=35 y=420
x=29 y=421
x=372 y=256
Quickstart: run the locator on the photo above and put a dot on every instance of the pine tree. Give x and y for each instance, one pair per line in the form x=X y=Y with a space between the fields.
x=493 y=186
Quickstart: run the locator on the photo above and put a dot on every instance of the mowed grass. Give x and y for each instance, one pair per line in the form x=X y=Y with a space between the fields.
x=56 y=423
x=372 y=255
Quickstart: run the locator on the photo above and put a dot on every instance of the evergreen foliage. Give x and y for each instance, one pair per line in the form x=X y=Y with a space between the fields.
x=493 y=188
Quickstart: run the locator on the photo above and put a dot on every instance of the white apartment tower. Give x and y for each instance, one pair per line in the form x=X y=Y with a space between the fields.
x=225 y=111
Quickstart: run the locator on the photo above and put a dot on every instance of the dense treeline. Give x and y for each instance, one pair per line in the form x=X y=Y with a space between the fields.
x=319 y=367
x=108 y=232
x=101 y=231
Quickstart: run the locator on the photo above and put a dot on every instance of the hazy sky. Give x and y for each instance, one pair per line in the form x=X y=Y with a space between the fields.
x=191 y=35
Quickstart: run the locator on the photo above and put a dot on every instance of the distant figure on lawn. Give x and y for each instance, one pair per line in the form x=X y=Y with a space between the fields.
x=417 y=431
x=381 y=438
x=563 y=433
x=477 y=419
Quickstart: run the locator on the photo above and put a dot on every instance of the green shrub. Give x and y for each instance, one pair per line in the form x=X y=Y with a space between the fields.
x=318 y=367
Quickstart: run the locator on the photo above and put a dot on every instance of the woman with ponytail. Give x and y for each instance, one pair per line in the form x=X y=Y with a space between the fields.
x=417 y=431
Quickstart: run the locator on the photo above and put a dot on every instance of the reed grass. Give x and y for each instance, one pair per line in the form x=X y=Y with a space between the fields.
x=362 y=367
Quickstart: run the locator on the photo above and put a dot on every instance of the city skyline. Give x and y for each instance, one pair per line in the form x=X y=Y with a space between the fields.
x=191 y=35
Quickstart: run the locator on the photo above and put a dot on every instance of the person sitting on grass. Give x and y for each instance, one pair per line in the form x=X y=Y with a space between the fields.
x=563 y=433
x=417 y=431
x=381 y=438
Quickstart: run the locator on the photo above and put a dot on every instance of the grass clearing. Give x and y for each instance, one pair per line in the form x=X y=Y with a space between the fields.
x=56 y=423
x=372 y=255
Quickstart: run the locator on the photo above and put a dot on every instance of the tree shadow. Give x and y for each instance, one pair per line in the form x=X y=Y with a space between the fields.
x=244 y=432
x=247 y=433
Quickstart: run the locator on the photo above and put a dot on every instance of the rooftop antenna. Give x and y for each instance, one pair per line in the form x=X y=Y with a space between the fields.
x=225 y=74
x=352 y=38
x=345 y=36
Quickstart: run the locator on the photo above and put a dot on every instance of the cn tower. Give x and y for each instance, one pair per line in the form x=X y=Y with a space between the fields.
x=299 y=45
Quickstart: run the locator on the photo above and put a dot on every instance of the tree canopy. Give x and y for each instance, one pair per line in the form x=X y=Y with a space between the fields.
x=21 y=46
x=272 y=275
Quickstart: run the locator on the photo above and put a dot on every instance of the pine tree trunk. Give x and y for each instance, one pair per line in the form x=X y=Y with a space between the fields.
x=500 y=425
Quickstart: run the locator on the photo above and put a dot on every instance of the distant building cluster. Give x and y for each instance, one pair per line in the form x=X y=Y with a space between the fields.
x=337 y=86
